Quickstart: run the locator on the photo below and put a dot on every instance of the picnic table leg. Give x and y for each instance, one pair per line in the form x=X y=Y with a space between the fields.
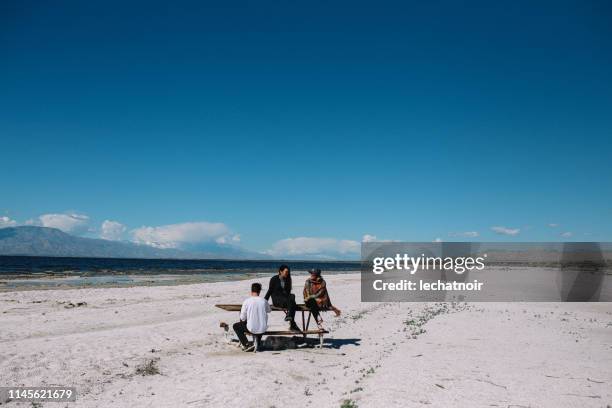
x=320 y=340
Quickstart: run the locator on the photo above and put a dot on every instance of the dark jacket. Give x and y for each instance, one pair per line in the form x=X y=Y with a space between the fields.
x=276 y=290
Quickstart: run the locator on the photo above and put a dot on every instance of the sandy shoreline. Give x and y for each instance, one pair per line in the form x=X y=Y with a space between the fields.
x=377 y=354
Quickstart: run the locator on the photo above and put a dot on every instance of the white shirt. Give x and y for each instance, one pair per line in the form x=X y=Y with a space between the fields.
x=255 y=311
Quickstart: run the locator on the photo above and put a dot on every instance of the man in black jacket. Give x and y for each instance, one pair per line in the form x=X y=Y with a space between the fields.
x=280 y=291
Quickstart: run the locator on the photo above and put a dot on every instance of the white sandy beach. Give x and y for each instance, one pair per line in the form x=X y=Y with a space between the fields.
x=481 y=355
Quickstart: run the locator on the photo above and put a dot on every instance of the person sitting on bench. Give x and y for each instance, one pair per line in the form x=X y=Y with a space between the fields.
x=253 y=317
x=316 y=297
x=280 y=291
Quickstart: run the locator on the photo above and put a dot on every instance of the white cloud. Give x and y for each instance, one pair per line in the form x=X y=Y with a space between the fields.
x=553 y=225
x=6 y=222
x=368 y=238
x=506 y=231
x=437 y=240
x=176 y=235
x=566 y=234
x=466 y=234
x=312 y=246
x=374 y=238
x=70 y=223
x=112 y=230
x=226 y=239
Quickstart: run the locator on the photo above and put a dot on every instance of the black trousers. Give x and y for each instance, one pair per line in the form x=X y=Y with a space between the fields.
x=241 y=329
x=314 y=307
x=286 y=302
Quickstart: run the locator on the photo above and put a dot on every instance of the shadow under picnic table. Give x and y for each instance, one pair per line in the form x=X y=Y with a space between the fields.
x=278 y=343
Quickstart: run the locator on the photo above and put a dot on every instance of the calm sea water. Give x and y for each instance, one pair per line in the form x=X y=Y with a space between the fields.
x=17 y=272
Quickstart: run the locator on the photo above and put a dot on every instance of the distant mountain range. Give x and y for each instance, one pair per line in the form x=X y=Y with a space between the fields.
x=42 y=241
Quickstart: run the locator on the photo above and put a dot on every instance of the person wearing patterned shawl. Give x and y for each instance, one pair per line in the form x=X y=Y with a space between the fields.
x=316 y=296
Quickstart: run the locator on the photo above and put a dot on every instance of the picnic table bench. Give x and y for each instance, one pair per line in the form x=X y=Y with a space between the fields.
x=305 y=331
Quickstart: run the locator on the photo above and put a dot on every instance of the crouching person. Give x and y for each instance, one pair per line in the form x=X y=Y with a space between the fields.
x=253 y=318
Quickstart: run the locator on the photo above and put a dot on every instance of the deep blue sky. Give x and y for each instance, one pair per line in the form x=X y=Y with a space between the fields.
x=334 y=119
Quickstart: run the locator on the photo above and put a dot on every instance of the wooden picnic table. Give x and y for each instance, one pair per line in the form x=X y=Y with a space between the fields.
x=300 y=308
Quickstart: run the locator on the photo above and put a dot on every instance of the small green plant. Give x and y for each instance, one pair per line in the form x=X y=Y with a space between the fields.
x=348 y=403
x=359 y=315
x=148 y=368
x=415 y=323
